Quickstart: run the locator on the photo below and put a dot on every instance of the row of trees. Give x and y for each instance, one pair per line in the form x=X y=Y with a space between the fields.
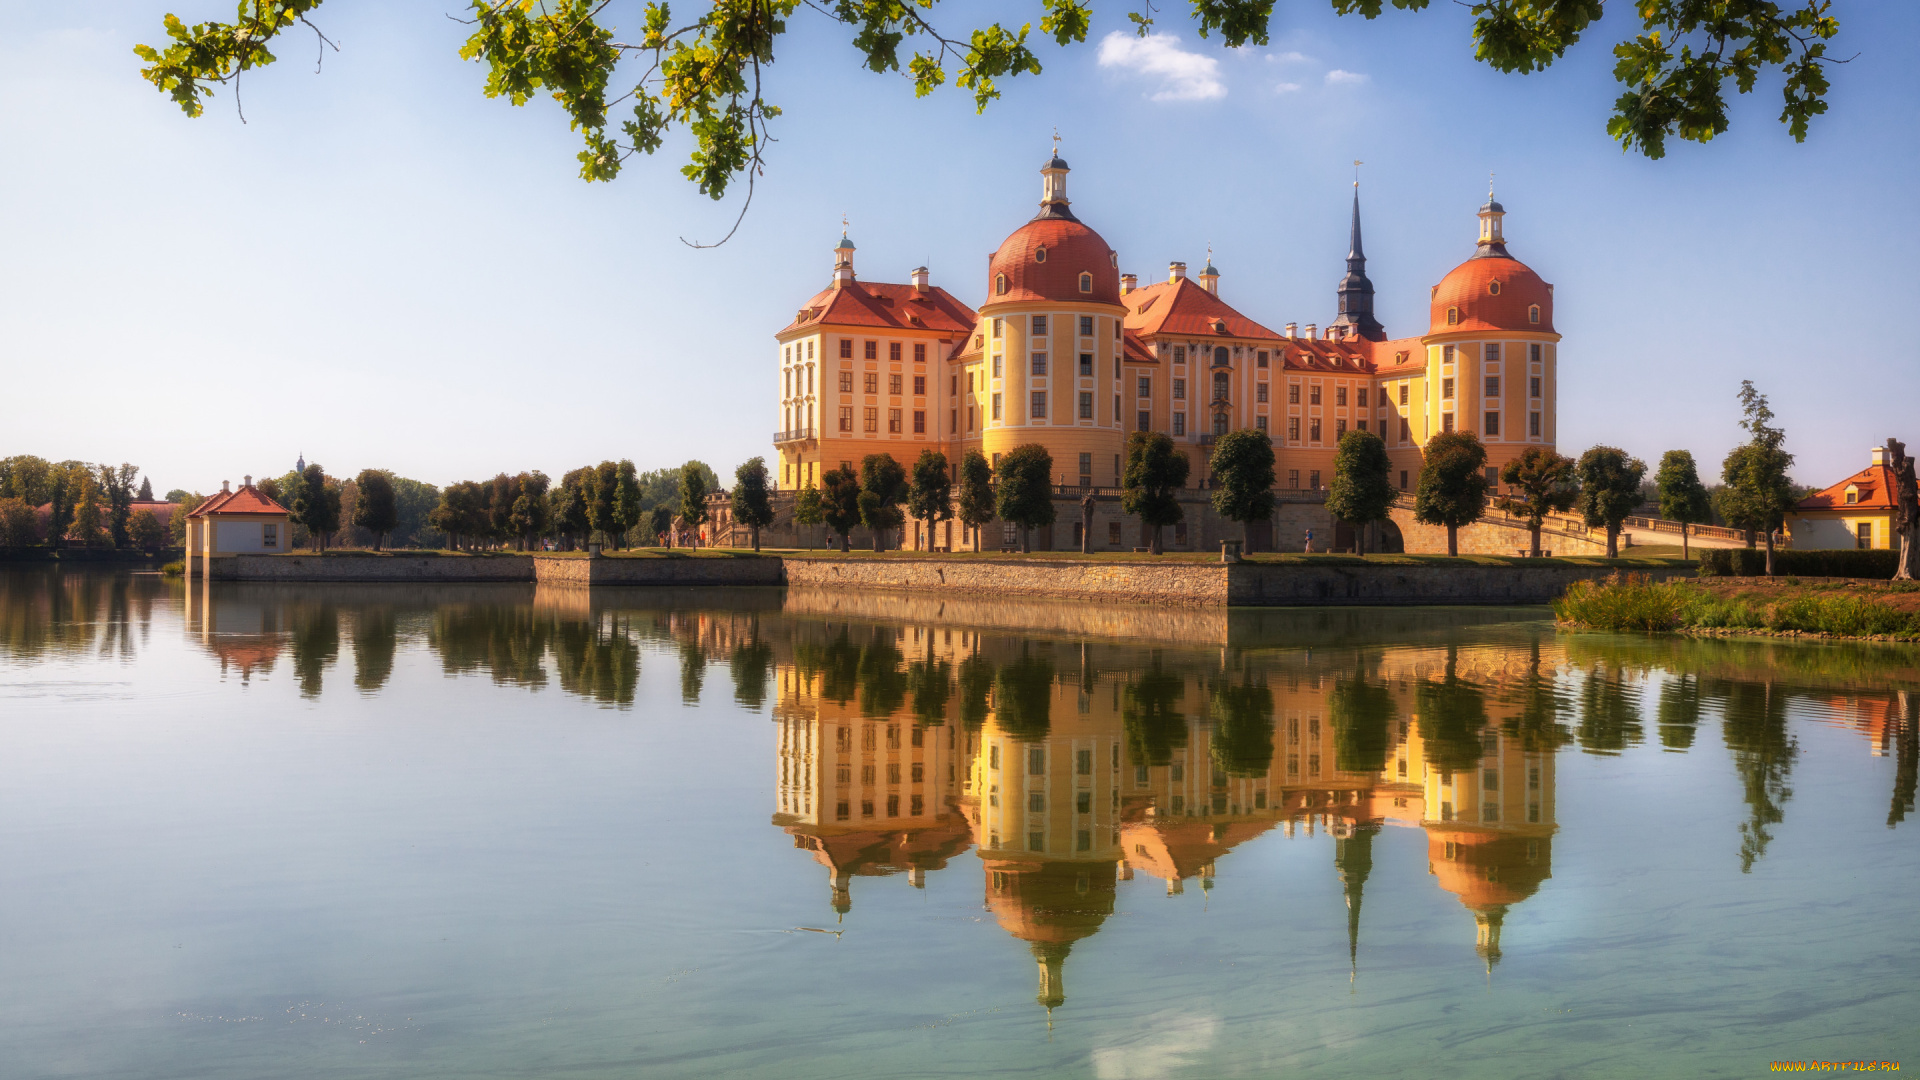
x=86 y=505
x=612 y=503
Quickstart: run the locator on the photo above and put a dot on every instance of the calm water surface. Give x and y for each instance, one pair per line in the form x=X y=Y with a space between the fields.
x=388 y=831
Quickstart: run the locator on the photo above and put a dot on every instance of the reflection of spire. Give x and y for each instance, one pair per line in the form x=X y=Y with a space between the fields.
x=841 y=881
x=1353 y=857
x=1487 y=934
x=1052 y=957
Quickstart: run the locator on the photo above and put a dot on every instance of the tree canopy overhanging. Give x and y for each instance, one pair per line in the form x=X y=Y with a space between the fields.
x=705 y=73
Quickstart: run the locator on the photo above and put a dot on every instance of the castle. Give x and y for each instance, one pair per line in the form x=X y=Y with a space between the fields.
x=1073 y=354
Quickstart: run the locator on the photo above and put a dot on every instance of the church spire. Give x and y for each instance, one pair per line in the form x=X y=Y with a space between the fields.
x=1356 y=292
x=1353 y=857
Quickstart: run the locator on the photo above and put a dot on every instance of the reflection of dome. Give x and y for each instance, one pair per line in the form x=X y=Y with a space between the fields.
x=1489 y=871
x=1050 y=906
x=1469 y=289
x=872 y=853
x=1045 y=258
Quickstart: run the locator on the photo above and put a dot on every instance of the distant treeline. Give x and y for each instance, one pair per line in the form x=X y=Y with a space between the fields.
x=76 y=504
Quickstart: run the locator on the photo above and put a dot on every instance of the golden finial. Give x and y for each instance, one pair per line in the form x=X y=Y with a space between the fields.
x=1056 y=141
x=1356 y=171
x=1489 y=187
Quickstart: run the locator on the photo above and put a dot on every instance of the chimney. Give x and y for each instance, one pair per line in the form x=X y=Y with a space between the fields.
x=1128 y=283
x=223 y=487
x=246 y=481
x=1293 y=330
x=1881 y=457
x=1176 y=271
x=1337 y=332
x=920 y=279
x=1313 y=331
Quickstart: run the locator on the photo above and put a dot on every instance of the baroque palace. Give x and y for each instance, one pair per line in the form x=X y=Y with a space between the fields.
x=1070 y=353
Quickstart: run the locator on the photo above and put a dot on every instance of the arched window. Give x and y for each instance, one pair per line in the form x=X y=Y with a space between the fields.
x=999 y=284
x=1086 y=283
x=1040 y=254
x=1114 y=258
x=1493 y=288
x=1220 y=357
x=1453 y=314
x=1533 y=313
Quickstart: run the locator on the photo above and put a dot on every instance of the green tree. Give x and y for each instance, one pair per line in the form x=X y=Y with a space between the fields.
x=1025 y=494
x=184 y=505
x=570 y=508
x=883 y=487
x=144 y=531
x=374 y=510
x=1609 y=490
x=116 y=489
x=18 y=524
x=602 y=489
x=146 y=490
x=752 y=501
x=532 y=513
x=502 y=493
x=705 y=73
x=1453 y=484
x=629 y=499
x=930 y=498
x=976 y=493
x=65 y=482
x=1683 y=498
x=1759 y=492
x=1154 y=472
x=27 y=478
x=840 y=502
x=1242 y=468
x=317 y=506
x=1362 y=489
x=1539 y=482
x=87 y=530
x=693 y=496
x=808 y=509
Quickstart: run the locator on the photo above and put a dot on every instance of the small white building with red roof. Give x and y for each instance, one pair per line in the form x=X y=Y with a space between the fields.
x=242 y=521
x=1855 y=513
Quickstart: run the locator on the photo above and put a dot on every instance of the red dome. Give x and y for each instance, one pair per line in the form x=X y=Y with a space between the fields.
x=1071 y=249
x=1492 y=293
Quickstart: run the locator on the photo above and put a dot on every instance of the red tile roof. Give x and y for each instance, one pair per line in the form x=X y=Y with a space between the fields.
x=1183 y=307
x=1071 y=250
x=1469 y=287
x=246 y=499
x=1876 y=492
x=883 y=305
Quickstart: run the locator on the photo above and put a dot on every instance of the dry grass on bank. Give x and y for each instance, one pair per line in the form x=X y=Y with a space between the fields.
x=1829 y=607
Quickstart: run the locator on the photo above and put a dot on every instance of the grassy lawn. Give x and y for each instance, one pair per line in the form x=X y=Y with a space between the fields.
x=1830 y=607
x=1636 y=562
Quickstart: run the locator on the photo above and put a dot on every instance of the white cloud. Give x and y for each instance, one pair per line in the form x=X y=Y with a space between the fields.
x=1286 y=87
x=1165 y=1044
x=1337 y=77
x=1290 y=58
x=1184 y=76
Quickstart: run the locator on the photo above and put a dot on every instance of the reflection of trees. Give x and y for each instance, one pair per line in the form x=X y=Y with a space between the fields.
x=883 y=685
x=602 y=663
x=1023 y=696
x=375 y=638
x=1537 y=725
x=315 y=644
x=1452 y=712
x=44 y=610
x=508 y=643
x=751 y=663
x=693 y=670
x=1609 y=712
x=930 y=685
x=1155 y=729
x=840 y=669
x=1679 y=711
x=1243 y=741
x=1362 y=718
x=1906 y=755
x=1755 y=726
x=974 y=682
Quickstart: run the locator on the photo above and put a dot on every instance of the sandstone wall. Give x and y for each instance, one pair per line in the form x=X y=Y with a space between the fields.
x=1176 y=584
x=1490 y=537
x=391 y=567
x=550 y=570
x=1254 y=584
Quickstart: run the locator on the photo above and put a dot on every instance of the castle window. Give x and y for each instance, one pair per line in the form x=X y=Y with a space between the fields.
x=1534 y=349
x=1446 y=422
x=1533 y=316
x=1853 y=496
x=1086 y=283
x=1533 y=424
x=873 y=420
x=1179 y=389
x=997 y=364
x=920 y=353
x=846 y=418
x=1260 y=392
x=846 y=382
x=846 y=348
x=1403 y=393
x=1493 y=351
x=1260 y=358
x=1493 y=424
x=1453 y=314
x=871 y=383
x=1086 y=324
x=1293 y=479
x=1086 y=364
x=1446 y=389
x=1039 y=363
x=893 y=351
x=1144 y=420
x=1340 y=396
x=1220 y=386
x=1038 y=410
x=1220 y=423
x=1493 y=386
x=1293 y=435
x=1339 y=430
x=1179 y=423
x=1179 y=354
x=1313 y=394
x=919 y=386
x=1313 y=431
x=996 y=411
x=1039 y=325
x=1145 y=387
x=893 y=421
x=1406 y=435
x=1040 y=254
x=1220 y=358
x=1086 y=413
x=1293 y=393
x=1362 y=400
x=1260 y=422
x=809 y=349
x=872 y=350
x=893 y=384
x=999 y=285
x=1493 y=288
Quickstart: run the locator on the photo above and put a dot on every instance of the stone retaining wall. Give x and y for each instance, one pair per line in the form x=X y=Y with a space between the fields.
x=1177 y=584
x=394 y=567
x=1254 y=585
x=765 y=570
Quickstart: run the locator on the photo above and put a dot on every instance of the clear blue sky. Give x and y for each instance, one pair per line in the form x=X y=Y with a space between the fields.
x=383 y=268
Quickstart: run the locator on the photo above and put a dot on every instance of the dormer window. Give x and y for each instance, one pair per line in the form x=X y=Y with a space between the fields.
x=999 y=284
x=1219 y=326
x=1533 y=313
x=1086 y=283
x=1040 y=254
x=1453 y=315
x=1493 y=288
x=1853 y=496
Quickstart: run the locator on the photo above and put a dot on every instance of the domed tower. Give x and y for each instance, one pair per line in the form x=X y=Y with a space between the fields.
x=1044 y=362
x=1491 y=348
x=1490 y=832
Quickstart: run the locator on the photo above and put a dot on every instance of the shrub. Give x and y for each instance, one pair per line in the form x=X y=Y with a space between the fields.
x=176 y=568
x=1632 y=602
x=1845 y=615
x=1817 y=562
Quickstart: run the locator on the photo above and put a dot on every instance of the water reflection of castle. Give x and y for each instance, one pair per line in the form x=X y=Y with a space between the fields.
x=1071 y=770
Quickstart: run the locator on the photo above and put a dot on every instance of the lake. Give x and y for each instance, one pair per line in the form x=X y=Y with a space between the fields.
x=397 y=831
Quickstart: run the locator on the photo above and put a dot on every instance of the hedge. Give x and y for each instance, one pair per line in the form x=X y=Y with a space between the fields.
x=1819 y=562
